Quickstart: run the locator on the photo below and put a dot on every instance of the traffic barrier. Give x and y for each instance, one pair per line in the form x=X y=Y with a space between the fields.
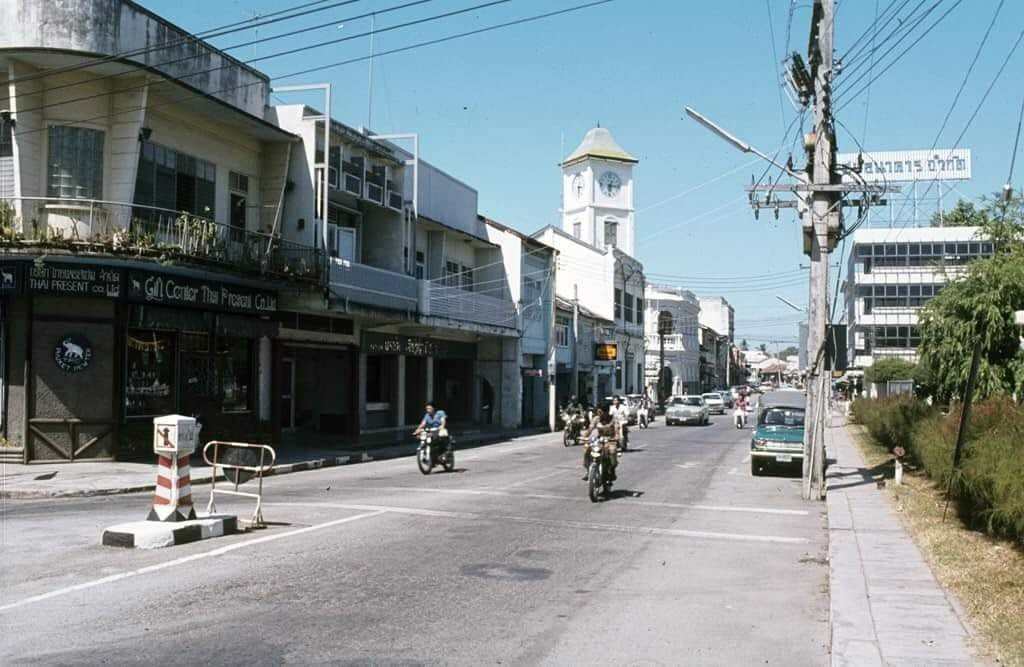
x=240 y=462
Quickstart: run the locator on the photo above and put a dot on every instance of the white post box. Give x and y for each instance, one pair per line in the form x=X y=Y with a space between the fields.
x=175 y=435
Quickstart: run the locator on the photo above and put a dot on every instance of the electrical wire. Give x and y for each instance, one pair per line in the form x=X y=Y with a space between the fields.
x=853 y=61
x=190 y=75
x=1016 y=144
x=340 y=63
x=873 y=28
x=775 y=61
x=190 y=39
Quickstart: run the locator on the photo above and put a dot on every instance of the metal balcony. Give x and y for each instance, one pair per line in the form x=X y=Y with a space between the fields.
x=455 y=303
x=367 y=285
x=121 y=228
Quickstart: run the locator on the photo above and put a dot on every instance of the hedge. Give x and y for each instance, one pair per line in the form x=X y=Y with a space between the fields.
x=990 y=486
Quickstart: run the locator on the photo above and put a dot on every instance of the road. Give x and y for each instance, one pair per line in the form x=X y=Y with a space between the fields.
x=505 y=561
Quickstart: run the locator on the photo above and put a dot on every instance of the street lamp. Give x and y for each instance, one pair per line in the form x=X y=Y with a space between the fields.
x=790 y=304
x=741 y=145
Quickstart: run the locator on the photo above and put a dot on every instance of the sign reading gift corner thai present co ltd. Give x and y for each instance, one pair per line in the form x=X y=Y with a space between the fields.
x=173 y=290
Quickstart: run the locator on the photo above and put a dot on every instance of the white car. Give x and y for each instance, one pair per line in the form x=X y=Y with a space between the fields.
x=686 y=410
x=716 y=405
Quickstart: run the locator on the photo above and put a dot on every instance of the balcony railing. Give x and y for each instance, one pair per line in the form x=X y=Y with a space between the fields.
x=371 y=286
x=438 y=300
x=132 y=229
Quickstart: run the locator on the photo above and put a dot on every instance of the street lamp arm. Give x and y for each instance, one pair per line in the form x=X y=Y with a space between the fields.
x=741 y=145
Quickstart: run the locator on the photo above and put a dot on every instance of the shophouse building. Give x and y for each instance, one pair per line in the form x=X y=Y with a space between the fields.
x=673 y=347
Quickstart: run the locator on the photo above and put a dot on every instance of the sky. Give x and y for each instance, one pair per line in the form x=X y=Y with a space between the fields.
x=500 y=109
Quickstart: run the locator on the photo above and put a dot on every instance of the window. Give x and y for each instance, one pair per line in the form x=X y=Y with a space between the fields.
x=611 y=233
x=466 y=281
x=451 y=274
x=235 y=368
x=629 y=307
x=175 y=181
x=239 y=186
x=577 y=230
x=421 y=265
x=75 y=162
x=618 y=303
x=562 y=333
x=150 y=377
x=6 y=135
x=639 y=310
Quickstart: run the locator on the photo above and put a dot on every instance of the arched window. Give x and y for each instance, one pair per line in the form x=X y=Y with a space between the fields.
x=611 y=232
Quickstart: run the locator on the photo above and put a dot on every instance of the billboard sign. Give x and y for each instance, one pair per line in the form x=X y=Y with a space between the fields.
x=942 y=164
x=606 y=351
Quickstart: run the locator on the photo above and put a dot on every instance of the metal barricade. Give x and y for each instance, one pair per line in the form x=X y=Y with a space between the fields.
x=240 y=472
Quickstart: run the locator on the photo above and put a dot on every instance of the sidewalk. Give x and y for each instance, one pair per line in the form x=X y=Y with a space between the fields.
x=75 y=480
x=886 y=606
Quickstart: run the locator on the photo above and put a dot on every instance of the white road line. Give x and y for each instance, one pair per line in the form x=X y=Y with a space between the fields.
x=533 y=479
x=747 y=459
x=688 y=465
x=583 y=498
x=733 y=471
x=644 y=530
x=220 y=551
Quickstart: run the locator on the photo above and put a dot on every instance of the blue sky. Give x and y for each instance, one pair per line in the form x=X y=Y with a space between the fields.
x=498 y=110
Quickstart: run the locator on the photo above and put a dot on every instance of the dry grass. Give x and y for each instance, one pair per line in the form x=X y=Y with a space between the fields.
x=986 y=575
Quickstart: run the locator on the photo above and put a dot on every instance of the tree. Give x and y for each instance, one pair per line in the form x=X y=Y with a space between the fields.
x=885 y=370
x=980 y=307
x=790 y=351
x=743 y=345
x=763 y=347
x=964 y=214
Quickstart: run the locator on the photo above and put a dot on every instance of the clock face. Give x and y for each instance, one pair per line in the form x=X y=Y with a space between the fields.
x=610 y=183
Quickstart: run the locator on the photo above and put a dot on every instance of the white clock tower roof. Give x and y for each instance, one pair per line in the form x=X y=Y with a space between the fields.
x=599 y=143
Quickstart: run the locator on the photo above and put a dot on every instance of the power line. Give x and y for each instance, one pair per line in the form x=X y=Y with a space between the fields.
x=775 y=61
x=1016 y=143
x=854 y=55
x=190 y=39
x=899 y=56
x=190 y=75
x=874 y=27
x=871 y=68
x=340 y=63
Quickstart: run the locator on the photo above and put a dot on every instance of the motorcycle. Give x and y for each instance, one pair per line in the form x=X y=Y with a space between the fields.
x=600 y=471
x=432 y=451
x=574 y=424
x=739 y=418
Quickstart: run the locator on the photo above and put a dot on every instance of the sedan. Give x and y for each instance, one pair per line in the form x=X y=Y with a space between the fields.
x=686 y=410
x=715 y=403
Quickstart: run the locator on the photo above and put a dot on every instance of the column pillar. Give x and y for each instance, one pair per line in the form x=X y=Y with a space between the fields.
x=430 y=379
x=264 y=377
x=361 y=383
x=400 y=391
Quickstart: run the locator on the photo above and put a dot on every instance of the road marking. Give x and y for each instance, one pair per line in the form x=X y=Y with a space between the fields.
x=534 y=479
x=747 y=459
x=733 y=471
x=643 y=530
x=583 y=498
x=220 y=551
x=688 y=465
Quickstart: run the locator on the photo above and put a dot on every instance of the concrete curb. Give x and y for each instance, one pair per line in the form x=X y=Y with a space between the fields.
x=159 y=534
x=365 y=456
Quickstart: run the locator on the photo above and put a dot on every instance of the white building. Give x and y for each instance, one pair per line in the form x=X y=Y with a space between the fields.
x=892 y=274
x=718 y=314
x=681 y=311
x=596 y=266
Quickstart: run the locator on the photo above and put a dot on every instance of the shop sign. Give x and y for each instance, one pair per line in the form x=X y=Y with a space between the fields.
x=67 y=279
x=72 y=353
x=172 y=290
x=533 y=372
x=606 y=351
x=9 y=274
x=411 y=346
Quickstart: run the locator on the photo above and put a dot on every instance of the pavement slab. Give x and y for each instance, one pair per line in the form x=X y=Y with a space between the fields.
x=886 y=605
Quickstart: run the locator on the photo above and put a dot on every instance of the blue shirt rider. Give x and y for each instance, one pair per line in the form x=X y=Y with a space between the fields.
x=433 y=418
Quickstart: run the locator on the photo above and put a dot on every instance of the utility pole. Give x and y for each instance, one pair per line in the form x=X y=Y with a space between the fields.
x=820 y=224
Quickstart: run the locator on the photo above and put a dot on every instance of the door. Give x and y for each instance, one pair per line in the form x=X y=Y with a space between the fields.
x=287 y=394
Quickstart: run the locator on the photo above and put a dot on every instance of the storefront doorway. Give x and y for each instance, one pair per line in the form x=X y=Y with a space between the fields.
x=287 y=394
x=453 y=388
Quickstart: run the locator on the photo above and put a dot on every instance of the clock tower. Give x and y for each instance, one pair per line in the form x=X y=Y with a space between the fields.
x=597 y=193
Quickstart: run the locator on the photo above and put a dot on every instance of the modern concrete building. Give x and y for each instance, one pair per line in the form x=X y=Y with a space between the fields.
x=892 y=273
x=679 y=310
x=717 y=313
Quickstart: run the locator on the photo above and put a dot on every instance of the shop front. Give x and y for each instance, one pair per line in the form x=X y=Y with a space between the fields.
x=101 y=349
x=403 y=372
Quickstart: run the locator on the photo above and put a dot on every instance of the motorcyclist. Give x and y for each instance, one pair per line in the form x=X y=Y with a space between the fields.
x=620 y=416
x=601 y=425
x=643 y=412
x=434 y=418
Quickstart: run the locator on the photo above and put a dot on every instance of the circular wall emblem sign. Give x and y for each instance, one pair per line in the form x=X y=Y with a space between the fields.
x=73 y=353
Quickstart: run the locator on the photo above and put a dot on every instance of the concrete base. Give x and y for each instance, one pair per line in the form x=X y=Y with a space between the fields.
x=157 y=534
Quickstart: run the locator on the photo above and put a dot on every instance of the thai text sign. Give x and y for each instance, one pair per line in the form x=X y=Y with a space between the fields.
x=74 y=279
x=606 y=351
x=412 y=346
x=942 y=164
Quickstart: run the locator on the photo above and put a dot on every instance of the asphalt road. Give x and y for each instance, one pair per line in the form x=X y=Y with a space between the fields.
x=505 y=561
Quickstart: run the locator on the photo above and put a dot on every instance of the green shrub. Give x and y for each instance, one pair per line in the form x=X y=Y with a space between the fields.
x=891 y=421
